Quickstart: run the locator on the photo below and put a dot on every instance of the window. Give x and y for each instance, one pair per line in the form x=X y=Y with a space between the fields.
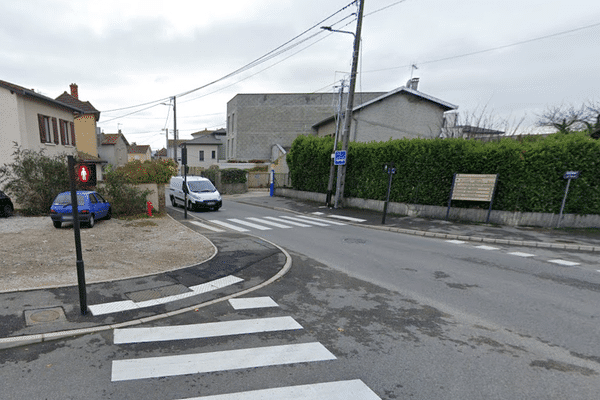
x=65 y=136
x=214 y=154
x=201 y=155
x=48 y=129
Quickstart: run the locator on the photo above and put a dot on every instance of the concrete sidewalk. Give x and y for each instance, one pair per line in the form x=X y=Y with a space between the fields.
x=565 y=238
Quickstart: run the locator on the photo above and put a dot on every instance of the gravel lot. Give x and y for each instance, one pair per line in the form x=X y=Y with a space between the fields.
x=34 y=254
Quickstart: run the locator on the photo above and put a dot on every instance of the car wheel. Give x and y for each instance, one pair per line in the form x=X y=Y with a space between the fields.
x=57 y=224
x=8 y=210
x=173 y=202
x=109 y=214
x=91 y=222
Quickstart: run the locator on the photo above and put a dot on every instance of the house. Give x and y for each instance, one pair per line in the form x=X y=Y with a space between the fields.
x=257 y=122
x=205 y=149
x=451 y=129
x=113 y=147
x=139 y=153
x=85 y=123
x=404 y=112
x=35 y=122
x=161 y=154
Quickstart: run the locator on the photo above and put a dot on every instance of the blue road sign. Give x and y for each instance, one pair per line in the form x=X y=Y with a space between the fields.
x=340 y=157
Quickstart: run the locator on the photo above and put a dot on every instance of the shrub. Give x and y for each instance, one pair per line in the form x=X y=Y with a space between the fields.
x=34 y=179
x=125 y=199
x=233 y=175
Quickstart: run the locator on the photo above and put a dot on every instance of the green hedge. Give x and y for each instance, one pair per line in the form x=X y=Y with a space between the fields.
x=530 y=171
x=233 y=175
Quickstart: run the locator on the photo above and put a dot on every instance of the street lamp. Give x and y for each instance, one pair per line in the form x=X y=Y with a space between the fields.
x=339 y=193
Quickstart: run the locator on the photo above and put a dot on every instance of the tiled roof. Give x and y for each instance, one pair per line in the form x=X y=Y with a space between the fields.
x=86 y=106
x=162 y=152
x=110 y=138
x=31 y=93
x=136 y=149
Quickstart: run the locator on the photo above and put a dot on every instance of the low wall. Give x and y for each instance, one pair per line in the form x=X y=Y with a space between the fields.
x=156 y=196
x=545 y=220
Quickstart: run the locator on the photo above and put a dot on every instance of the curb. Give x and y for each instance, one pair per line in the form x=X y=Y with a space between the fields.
x=17 y=341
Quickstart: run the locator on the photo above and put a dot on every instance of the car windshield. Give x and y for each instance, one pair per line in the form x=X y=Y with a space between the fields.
x=64 y=199
x=201 y=186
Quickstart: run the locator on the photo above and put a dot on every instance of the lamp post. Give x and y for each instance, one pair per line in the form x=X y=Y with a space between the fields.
x=341 y=176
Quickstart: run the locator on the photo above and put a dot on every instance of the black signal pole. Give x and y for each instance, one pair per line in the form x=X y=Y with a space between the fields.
x=80 y=269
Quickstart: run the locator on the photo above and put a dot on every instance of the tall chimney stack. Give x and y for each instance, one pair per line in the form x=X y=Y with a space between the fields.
x=74 y=92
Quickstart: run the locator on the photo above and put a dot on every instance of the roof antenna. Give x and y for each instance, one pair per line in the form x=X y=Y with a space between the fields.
x=412 y=70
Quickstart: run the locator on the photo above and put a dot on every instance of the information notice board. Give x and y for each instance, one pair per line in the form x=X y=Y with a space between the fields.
x=473 y=187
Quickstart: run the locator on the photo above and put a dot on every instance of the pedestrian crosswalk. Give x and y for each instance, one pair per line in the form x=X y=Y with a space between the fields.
x=236 y=359
x=266 y=223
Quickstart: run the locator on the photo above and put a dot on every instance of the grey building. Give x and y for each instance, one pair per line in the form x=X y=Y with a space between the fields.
x=257 y=122
x=404 y=112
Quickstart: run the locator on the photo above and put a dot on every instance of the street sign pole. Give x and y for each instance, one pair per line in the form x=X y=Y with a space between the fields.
x=80 y=268
x=568 y=176
x=391 y=171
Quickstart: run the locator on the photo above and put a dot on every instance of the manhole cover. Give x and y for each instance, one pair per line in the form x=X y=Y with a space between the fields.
x=47 y=315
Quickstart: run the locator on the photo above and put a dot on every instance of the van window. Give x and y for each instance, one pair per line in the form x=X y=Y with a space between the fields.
x=201 y=186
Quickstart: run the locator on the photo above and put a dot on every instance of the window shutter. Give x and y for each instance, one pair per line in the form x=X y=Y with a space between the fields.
x=55 y=128
x=42 y=128
x=63 y=134
x=72 y=133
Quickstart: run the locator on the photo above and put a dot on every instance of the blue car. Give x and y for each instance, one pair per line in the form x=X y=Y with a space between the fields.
x=90 y=204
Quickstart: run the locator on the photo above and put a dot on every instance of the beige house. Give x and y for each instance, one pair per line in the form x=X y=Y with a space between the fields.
x=35 y=122
x=85 y=124
x=404 y=112
x=113 y=147
x=139 y=153
x=205 y=149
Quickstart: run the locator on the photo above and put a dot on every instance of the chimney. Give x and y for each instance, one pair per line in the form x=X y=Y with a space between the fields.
x=74 y=92
x=412 y=83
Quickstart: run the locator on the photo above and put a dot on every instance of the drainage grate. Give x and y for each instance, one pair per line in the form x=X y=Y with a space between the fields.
x=157 y=293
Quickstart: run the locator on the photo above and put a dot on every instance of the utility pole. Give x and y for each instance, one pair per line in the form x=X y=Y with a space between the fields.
x=341 y=176
x=175 y=128
x=167 y=136
x=335 y=142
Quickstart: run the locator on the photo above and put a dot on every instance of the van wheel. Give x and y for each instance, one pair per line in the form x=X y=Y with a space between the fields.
x=190 y=206
x=173 y=202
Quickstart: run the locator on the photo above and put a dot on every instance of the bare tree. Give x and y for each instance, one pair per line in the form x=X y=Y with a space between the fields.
x=567 y=119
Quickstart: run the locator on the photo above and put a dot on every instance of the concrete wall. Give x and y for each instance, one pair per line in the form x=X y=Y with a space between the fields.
x=256 y=122
x=545 y=220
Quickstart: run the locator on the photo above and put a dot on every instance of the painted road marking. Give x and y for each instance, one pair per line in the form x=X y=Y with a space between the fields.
x=483 y=247
x=275 y=224
x=347 y=218
x=517 y=253
x=288 y=222
x=125 y=305
x=563 y=262
x=226 y=225
x=310 y=219
x=455 y=241
x=302 y=220
x=250 y=224
x=341 y=390
x=206 y=330
x=252 y=302
x=212 y=228
x=156 y=367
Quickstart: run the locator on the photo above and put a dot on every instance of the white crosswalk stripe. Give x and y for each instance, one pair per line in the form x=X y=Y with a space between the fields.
x=321 y=220
x=250 y=224
x=230 y=226
x=236 y=359
x=302 y=220
x=289 y=222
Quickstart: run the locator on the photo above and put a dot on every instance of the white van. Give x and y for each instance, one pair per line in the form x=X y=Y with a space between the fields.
x=201 y=193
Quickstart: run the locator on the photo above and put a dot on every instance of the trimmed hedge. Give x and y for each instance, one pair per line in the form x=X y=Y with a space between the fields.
x=530 y=171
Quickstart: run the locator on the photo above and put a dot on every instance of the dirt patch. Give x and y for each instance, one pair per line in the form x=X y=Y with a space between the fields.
x=34 y=254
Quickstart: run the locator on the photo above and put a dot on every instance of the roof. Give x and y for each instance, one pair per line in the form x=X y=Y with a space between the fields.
x=161 y=153
x=113 y=138
x=86 y=106
x=86 y=157
x=138 y=149
x=20 y=90
x=208 y=138
x=444 y=104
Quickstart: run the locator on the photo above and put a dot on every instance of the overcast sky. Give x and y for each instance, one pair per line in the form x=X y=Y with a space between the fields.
x=509 y=59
